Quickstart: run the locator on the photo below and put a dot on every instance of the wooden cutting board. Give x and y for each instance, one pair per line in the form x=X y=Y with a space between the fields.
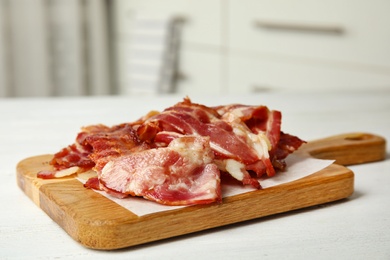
x=99 y=223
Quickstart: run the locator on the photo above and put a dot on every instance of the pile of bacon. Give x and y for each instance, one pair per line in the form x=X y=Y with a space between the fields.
x=180 y=156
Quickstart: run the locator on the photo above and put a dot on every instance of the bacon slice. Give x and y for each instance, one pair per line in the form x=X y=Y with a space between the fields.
x=181 y=174
x=72 y=155
x=259 y=119
x=241 y=136
x=114 y=142
x=97 y=144
x=176 y=157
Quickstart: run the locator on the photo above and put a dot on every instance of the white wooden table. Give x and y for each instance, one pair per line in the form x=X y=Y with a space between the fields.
x=356 y=228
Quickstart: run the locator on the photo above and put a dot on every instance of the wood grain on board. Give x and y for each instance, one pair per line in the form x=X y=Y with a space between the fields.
x=99 y=223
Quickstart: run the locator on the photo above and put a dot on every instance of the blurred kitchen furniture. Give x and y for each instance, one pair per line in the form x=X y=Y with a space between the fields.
x=214 y=47
x=257 y=45
x=54 y=48
x=199 y=68
x=149 y=55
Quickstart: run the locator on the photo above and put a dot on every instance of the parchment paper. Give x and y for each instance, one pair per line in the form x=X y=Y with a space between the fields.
x=298 y=166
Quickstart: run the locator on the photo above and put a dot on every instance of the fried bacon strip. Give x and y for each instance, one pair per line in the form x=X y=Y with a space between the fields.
x=181 y=174
x=175 y=157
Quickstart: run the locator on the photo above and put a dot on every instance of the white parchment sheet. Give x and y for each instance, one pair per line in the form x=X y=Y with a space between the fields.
x=297 y=167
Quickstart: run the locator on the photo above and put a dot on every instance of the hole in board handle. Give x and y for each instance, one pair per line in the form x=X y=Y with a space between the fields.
x=358 y=137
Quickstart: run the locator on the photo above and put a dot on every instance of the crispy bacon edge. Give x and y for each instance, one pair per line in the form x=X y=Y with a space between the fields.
x=96 y=145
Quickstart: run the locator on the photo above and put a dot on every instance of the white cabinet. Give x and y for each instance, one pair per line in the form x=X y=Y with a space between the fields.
x=308 y=45
x=200 y=40
x=268 y=73
x=242 y=46
x=347 y=31
x=201 y=73
x=202 y=17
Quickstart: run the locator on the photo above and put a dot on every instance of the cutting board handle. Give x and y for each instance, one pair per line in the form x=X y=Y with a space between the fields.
x=347 y=149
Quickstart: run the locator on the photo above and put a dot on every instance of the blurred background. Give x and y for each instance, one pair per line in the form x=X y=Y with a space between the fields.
x=147 y=47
